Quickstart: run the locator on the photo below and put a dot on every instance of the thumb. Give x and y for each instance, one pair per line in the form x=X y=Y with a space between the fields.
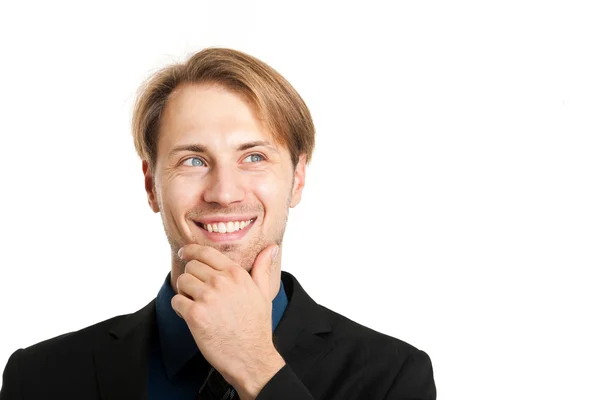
x=262 y=268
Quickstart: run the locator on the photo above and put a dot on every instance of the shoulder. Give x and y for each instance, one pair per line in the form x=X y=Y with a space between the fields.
x=75 y=339
x=84 y=339
x=55 y=361
x=61 y=349
x=69 y=348
x=372 y=343
x=348 y=338
x=385 y=366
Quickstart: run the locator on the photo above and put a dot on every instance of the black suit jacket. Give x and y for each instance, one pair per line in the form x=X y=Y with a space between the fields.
x=327 y=357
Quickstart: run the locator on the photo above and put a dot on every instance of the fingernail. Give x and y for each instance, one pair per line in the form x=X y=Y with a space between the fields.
x=275 y=251
x=180 y=253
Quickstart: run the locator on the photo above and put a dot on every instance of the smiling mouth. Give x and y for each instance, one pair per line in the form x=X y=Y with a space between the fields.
x=226 y=227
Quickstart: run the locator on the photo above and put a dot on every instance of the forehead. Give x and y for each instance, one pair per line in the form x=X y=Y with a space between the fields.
x=211 y=114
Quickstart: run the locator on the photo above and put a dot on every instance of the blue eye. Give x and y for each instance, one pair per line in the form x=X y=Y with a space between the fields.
x=195 y=164
x=255 y=158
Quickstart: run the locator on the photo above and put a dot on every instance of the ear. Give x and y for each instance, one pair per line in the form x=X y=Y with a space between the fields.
x=149 y=185
x=299 y=178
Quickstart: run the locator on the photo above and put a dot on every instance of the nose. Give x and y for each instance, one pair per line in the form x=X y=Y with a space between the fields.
x=224 y=186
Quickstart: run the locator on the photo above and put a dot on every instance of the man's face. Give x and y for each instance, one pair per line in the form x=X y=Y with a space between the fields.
x=236 y=179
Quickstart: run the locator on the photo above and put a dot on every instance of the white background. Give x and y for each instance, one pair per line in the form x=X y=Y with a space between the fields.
x=453 y=201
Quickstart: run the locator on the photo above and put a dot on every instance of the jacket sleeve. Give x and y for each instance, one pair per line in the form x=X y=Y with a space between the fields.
x=414 y=380
x=11 y=389
x=283 y=385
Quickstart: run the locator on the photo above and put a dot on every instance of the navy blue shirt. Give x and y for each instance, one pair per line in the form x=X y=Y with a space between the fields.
x=177 y=368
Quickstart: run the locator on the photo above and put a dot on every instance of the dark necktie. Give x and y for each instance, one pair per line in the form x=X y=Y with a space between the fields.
x=215 y=387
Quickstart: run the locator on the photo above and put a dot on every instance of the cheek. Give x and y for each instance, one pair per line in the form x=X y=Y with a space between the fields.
x=178 y=196
x=273 y=195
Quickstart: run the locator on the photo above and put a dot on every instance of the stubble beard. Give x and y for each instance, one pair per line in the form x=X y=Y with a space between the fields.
x=242 y=254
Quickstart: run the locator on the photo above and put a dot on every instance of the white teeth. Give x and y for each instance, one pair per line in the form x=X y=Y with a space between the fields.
x=227 y=227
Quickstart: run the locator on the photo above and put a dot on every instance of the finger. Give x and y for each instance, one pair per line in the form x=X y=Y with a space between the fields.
x=262 y=268
x=181 y=305
x=200 y=270
x=207 y=255
x=190 y=286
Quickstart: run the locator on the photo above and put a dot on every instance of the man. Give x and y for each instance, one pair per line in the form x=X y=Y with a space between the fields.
x=224 y=142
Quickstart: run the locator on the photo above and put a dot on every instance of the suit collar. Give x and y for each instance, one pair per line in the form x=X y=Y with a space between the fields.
x=132 y=322
x=301 y=336
x=122 y=355
x=303 y=313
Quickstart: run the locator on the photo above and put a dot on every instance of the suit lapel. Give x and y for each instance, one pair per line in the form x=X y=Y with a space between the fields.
x=300 y=336
x=121 y=356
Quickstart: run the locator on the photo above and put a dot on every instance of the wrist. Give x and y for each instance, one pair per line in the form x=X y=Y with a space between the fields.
x=254 y=378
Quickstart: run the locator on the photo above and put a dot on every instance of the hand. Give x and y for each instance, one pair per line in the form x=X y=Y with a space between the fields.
x=228 y=312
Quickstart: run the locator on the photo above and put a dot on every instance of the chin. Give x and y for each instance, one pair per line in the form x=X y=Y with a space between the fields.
x=237 y=254
x=244 y=262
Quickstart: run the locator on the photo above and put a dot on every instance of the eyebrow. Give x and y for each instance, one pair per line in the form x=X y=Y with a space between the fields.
x=198 y=148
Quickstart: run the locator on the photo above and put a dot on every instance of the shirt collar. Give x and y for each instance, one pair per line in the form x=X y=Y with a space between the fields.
x=177 y=345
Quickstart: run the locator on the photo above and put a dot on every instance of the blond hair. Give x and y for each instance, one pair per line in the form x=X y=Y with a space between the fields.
x=275 y=101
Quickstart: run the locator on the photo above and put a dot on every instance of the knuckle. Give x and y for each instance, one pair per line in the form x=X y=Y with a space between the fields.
x=181 y=279
x=207 y=295
x=191 y=266
x=236 y=273
x=196 y=314
x=218 y=280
